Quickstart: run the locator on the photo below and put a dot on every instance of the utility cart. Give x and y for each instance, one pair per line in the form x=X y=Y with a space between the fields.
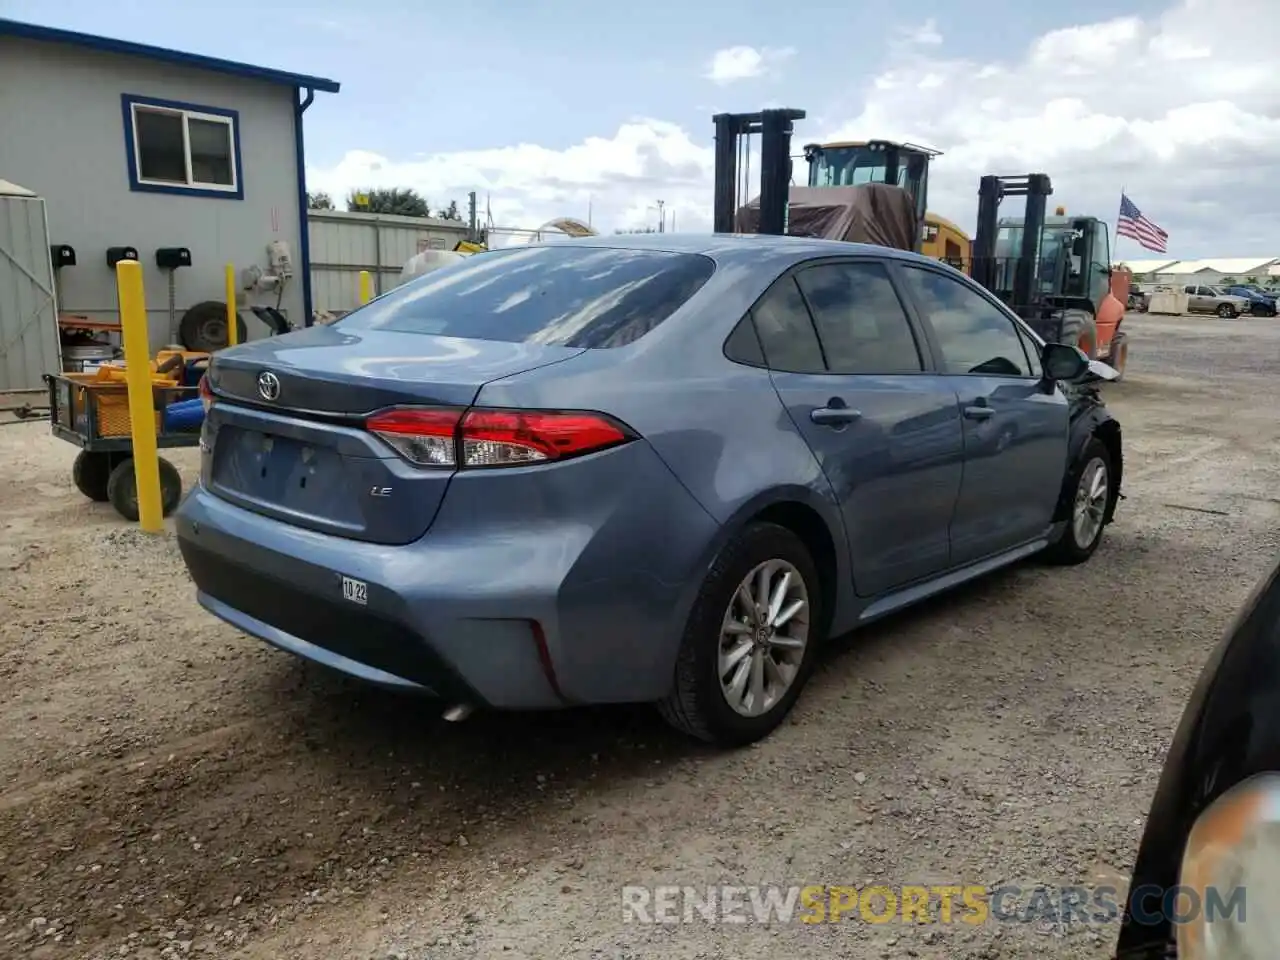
x=91 y=410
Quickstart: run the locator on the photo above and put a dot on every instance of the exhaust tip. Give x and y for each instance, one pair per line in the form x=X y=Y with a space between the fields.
x=458 y=713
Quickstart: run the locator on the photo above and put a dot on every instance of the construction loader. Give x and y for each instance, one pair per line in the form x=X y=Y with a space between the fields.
x=906 y=165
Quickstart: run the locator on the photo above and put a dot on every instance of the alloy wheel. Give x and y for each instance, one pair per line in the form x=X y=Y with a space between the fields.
x=1091 y=502
x=763 y=638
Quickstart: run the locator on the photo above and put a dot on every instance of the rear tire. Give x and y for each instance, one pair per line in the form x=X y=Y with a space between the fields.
x=724 y=642
x=1090 y=481
x=122 y=489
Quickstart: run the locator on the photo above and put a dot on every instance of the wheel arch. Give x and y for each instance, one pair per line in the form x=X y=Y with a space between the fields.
x=1097 y=423
x=819 y=525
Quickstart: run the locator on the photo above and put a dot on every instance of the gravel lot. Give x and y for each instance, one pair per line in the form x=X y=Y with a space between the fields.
x=170 y=788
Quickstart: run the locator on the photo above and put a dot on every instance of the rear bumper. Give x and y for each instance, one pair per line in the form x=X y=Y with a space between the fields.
x=576 y=592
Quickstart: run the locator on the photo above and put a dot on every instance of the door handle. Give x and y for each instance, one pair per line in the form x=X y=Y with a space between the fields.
x=979 y=413
x=834 y=416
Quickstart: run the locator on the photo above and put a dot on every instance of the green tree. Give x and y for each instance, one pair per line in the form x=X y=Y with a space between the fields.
x=451 y=212
x=400 y=201
x=319 y=201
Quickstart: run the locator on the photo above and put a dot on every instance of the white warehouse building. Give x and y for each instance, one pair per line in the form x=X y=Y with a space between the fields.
x=1264 y=271
x=184 y=162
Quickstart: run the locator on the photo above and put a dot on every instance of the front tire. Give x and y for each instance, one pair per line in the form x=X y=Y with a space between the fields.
x=751 y=640
x=1091 y=483
x=1227 y=312
x=1080 y=330
x=1118 y=359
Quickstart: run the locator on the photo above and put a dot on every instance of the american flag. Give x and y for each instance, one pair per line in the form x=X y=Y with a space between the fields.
x=1134 y=225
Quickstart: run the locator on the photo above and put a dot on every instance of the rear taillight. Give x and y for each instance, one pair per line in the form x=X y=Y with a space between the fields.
x=425 y=437
x=206 y=392
x=433 y=437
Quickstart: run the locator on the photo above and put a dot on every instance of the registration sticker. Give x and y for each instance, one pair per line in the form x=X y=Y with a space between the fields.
x=357 y=591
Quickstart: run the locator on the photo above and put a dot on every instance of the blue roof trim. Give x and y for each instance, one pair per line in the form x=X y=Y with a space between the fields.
x=30 y=31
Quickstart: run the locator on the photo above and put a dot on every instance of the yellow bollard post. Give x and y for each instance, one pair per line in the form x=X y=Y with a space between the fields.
x=142 y=412
x=233 y=328
x=366 y=288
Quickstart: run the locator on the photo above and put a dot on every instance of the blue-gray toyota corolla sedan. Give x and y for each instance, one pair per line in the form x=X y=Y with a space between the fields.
x=633 y=469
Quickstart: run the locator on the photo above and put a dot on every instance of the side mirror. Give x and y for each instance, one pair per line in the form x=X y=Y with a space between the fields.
x=1062 y=361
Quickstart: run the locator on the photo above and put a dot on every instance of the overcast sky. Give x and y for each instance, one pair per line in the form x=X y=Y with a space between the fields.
x=549 y=105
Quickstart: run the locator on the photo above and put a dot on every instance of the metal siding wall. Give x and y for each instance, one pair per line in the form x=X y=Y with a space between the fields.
x=75 y=158
x=28 y=320
x=343 y=244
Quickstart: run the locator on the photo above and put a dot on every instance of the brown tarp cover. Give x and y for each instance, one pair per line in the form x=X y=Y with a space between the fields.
x=868 y=213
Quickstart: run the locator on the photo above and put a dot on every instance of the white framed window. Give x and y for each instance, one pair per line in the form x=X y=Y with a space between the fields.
x=182 y=148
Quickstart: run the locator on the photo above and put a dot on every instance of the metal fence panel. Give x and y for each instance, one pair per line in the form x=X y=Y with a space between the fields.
x=28 y=310
x=343 y=244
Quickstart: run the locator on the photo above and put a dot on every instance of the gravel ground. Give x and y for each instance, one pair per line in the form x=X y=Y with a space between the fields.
x=171 y=788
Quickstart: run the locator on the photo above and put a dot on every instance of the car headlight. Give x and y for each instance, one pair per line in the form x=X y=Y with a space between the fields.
x=1230 y=877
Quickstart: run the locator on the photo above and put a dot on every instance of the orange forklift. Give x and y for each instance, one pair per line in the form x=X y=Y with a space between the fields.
x=1053 y=271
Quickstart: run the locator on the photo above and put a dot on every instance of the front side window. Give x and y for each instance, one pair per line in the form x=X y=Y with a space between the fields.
x=861 y=323
x=180 y=147
x=973 y=335
x=561 y=295
x=1033 y=351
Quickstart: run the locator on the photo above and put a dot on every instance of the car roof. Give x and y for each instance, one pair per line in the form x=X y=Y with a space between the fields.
x=731 y=248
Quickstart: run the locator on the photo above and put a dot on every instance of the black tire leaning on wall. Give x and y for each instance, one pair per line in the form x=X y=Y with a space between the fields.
x=204 y=327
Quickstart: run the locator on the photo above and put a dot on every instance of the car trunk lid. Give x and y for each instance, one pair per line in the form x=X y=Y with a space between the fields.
x=285 y=436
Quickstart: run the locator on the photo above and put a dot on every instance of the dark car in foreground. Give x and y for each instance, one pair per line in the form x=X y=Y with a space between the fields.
x=1214 y=827
x=1261 y=304
x=637 y=470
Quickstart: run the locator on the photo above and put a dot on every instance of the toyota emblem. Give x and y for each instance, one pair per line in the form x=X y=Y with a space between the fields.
x=269 y=385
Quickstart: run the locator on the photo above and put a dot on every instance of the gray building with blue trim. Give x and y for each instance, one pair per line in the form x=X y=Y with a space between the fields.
x=149 y=148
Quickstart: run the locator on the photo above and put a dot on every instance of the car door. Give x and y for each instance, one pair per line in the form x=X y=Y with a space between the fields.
x=857 y=381
x=1193 y=298
x=1015 y=426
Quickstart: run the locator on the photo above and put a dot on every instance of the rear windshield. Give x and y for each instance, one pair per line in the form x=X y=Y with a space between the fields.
x=557 y=295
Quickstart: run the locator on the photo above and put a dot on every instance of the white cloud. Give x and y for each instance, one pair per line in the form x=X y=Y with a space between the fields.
x=1171 y=112
x=743 y=63
x=1161 y=108
x=926 y=34
x=618 y=178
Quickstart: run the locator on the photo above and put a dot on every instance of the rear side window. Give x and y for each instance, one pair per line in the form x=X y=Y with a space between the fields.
x=786 y=332
x=860 y=320
x=560 y=295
